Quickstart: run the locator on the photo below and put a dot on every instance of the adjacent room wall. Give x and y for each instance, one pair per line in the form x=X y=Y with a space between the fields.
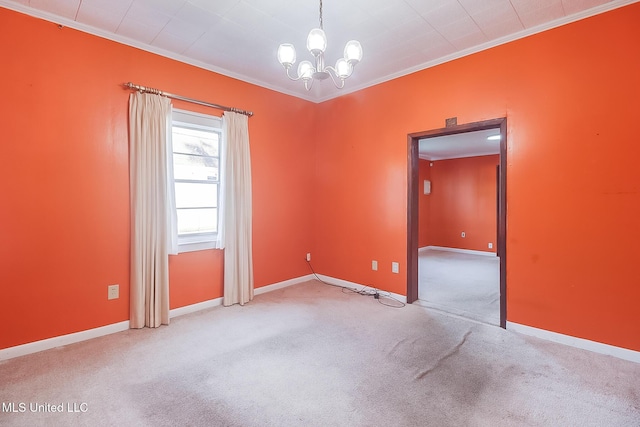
x=570 y=96
x=463 y=199
x=64 y=180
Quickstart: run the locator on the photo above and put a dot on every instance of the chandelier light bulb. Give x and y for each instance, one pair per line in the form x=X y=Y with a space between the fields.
x=316 y=41
x=343 y=68
x=353 y=52
x=305 y=70
x=286 y=54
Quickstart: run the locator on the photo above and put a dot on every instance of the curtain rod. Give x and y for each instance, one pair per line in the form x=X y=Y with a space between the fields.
x=182 y=98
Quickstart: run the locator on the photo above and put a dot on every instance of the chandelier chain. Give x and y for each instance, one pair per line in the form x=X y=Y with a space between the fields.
x=321 y=15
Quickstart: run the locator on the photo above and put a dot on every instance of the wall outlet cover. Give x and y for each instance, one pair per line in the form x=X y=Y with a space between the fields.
x=113 y=292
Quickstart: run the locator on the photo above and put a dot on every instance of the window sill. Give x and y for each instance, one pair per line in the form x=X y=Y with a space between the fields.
x=192 y=247
x=197 y=243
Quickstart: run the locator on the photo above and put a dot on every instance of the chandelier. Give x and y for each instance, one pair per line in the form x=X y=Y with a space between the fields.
x=316 y=44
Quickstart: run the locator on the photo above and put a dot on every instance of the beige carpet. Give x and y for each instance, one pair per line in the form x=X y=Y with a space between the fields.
x=311 y=355
x=467 y=285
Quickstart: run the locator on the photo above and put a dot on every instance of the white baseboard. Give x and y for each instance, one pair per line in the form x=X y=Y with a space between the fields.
x=180 y=311
x=283 y=284
x=358 y=287
x=596 y=347
x=461 y=251
x=49 y=343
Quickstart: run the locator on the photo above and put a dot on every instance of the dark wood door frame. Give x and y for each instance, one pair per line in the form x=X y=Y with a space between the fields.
x=412 y=204
x=497 y=209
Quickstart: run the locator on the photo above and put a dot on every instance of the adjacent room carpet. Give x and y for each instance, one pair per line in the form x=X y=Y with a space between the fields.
x=467 y=285
x=312 y=355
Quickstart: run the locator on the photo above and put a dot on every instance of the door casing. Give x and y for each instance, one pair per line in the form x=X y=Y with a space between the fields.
x=412 y=204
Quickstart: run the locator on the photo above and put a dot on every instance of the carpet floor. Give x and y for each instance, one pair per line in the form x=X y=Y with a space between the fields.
x=467 y=285
x=313 y=355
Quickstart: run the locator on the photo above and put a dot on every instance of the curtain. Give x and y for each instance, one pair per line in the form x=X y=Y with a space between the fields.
x=238 y=255
x=149 y=123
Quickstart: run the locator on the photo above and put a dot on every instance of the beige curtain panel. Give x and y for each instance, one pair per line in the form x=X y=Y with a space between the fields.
x=149 y=121
x=238 y=250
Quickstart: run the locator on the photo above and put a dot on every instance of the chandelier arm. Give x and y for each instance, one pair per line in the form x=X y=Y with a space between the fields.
x=308 y=86
x=334 y=75
x=295 y=79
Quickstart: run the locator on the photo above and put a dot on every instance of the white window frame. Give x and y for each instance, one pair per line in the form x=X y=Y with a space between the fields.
x=190 y=119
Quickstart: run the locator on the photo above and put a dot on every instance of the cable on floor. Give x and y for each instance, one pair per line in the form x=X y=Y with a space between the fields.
x=366 y=291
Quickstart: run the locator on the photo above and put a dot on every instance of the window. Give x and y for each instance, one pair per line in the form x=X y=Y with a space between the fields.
x=196 y=143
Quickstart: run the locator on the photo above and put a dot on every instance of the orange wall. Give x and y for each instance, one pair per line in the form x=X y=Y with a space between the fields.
x=64 y=180
x=463 y=198
x=571 y=98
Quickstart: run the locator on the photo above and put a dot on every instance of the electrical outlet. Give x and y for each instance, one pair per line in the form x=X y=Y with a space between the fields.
x=395 y=267
x=490 y=245
x=113 y=292
x=309 y=256
x=374 y=265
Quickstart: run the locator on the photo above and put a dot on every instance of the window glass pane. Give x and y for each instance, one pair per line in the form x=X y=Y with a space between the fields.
x=198 y=168
x=196 y=195
x=194 y=141
x=197 y=221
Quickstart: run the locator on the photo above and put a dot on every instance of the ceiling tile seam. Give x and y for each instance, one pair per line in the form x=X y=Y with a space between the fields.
x=431 y=25
x=517 y=14
x=474 y=21
x=194 y=42
x=204 y=33
x=165 y=24
x=124 y=15
x=564 y=12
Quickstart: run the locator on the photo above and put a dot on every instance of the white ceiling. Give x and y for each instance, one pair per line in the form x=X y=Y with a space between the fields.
x=469 y=144
x=239 y=38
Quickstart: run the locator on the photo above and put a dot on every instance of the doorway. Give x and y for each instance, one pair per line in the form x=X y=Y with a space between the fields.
x=413 y=202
